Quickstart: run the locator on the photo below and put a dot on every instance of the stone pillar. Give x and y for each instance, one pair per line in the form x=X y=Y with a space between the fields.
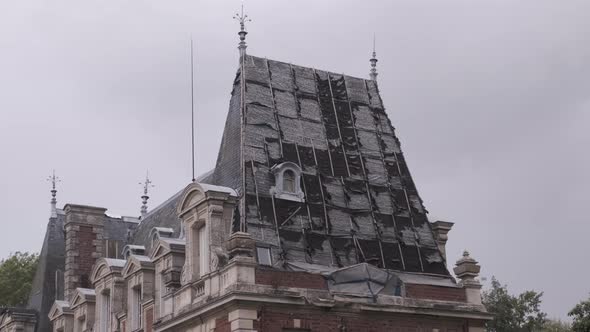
x=441 y=229
x=242 y=320
x=467 y=270
x=84 y=226
x=240 y=244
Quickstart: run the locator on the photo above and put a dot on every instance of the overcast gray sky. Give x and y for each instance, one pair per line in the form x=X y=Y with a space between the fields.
x=491 y=100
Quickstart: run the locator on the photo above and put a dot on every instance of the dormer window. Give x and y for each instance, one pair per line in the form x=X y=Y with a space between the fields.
x=287 y=182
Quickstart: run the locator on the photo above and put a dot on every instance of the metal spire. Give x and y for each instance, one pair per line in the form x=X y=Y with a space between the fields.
x=144 y=199
x=242 y=19
x=54 y=179
x=373 y=60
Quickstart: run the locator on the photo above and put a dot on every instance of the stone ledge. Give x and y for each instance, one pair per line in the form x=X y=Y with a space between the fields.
x=259 y=294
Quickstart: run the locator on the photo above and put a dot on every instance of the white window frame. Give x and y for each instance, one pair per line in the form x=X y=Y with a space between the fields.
x=136 y=312
x=203 y=250
x=105 y=312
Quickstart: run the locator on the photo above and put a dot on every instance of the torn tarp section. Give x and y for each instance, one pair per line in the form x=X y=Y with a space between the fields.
x=365 y=280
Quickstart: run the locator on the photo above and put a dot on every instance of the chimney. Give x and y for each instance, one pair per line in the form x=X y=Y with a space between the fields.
x=441 y=229
x=84 y=226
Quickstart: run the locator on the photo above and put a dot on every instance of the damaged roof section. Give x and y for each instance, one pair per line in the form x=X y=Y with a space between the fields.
x=361 y=204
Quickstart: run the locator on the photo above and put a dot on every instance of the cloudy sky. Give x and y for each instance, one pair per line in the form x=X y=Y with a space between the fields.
x=490 y=98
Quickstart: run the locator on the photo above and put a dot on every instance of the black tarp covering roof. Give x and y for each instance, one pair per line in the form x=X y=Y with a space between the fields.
x=361 y=204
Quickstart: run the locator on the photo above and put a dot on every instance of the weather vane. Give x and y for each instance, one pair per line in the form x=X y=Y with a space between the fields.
x=147 y=183
x=242 y=18
x=54 y=180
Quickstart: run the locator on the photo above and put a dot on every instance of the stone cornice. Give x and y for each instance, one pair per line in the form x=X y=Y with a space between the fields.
x=258 y=294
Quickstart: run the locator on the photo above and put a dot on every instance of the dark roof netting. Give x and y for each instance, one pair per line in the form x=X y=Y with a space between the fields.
x=361 y=204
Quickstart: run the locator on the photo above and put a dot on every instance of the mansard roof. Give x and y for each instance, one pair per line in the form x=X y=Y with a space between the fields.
x=361 y=203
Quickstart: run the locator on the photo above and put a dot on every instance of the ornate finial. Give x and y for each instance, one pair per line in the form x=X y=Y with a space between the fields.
x=373 y=60
x=467 y=270
x=144 y=199
x=242 y=18
x=466 y=267
x=54 y=179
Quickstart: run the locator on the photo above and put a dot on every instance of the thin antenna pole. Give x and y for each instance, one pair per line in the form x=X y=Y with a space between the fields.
x=192 y=111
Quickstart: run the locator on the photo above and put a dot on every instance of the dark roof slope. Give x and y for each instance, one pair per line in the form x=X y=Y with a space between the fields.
x=361 y=204
x=51 y=263
x=227 y=169
x=162 y=216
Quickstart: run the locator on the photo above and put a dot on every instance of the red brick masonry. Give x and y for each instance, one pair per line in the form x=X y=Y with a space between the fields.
x=85 y=245
x=149 y=319
x=429 y=292
x=276 y=320
x=222 y=325
x=267 y=276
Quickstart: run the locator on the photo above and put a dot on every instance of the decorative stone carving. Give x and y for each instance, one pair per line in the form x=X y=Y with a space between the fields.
x=218 y=258
x=467 y=270
x=184 y=277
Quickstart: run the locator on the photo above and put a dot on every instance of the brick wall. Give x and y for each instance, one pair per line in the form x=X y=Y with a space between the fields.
x=267 y=276
x=440 y=293
x=222 y=325
x=85 y=259
x=275 y=320
x=149 y=319
x=84 y=227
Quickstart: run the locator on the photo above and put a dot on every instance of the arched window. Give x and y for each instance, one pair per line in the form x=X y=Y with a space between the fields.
x=289 y=181
x=154 y=240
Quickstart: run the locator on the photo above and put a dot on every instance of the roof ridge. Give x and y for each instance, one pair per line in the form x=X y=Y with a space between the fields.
x=309 y=67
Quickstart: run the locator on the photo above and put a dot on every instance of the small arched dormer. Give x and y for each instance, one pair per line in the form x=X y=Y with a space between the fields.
x=157 y=233
x=132 y=249
x=287 y=182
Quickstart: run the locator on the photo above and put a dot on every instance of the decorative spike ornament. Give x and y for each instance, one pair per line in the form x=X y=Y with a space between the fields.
x=54 y=180
x=242 y=18
x=144 y=198
x=373 y=60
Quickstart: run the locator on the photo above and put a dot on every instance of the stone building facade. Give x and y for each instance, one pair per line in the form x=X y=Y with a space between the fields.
x=310 y=221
